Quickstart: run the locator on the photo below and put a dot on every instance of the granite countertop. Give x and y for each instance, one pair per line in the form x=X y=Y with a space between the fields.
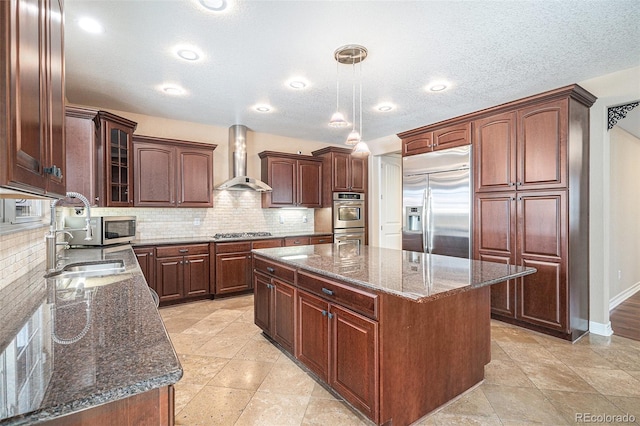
x=196 y=240
x=412 y=275
x=74 y=349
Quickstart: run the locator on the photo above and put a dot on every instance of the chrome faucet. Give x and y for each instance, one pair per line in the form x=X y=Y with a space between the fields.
x=52 y=236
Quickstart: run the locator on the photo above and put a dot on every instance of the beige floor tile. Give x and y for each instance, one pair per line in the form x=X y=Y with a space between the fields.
x=497 y=353
x=322 y=412
x=206 y=327
x=580 y=356
x=287 y=379
x=574 y=406
x=247 y=316
x=522 y=404
x=625 y=358
x=256 y=350
x=505 y=373
x=179 y=323
x=187 y=343
x=320 y=392
x=201 y=307
x=241 y=374
x=610 y=382
x=555 y=377
x=198 y=369
x=237 y=302
x=214 y=406
x=635 y=374
x=628 y=405
x=512 y=335
x=445 y=419
x=270 y=409
x=240 y=329
x=184 y=393
x=474 y=403
x=225 y=315
x=529 y=353
x=222 y=346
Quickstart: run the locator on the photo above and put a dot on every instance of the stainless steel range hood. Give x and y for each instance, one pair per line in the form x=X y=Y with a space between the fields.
x=238 y=164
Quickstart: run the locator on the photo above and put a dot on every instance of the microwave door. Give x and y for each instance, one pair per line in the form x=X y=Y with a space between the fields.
x=414 y=189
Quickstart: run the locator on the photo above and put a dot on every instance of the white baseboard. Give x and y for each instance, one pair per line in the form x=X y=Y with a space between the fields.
x=613 y=303
x=600 y=329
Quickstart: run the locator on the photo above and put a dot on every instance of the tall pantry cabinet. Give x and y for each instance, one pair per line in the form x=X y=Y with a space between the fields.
x=531 y=203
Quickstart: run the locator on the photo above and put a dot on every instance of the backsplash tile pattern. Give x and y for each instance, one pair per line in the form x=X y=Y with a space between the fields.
x=20 y=252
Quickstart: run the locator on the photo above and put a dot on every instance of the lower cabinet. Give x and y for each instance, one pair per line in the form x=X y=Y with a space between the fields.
x=182 y=271
x=233 y=267
x=146 y=260
x=274 y=302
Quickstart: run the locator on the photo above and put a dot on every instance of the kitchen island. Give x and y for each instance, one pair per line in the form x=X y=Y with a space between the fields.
x=396 y=333
x=95 y=352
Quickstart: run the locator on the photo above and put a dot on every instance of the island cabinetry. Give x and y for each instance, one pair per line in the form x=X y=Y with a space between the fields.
x=182 y=271
x=296 y=180
x=344 y=173
x=146 y=260
x=32 y=107
x=172 y=173
x=337 y=343
x=435 y=138
x=274 y=301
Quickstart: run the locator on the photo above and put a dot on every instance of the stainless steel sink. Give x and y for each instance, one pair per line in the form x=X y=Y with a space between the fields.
x=89 y=269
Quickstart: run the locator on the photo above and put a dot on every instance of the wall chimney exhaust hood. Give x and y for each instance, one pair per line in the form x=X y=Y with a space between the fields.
x=238 y=164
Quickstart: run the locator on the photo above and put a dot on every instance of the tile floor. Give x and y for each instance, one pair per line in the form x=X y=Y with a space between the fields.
x=234 y=376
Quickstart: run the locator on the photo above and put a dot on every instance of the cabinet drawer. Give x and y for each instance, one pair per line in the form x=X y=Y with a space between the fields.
x=355 y=299
x=296 y=241
x=260 y=244
x=235 y=247
x=170 y=251
x=274 y=269
x=322 y=239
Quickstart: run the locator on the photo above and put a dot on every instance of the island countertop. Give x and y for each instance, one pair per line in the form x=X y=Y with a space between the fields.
x=67 y=349
x=411 y=275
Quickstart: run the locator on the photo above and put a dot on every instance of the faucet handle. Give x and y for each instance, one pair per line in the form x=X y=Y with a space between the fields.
x=89 y=229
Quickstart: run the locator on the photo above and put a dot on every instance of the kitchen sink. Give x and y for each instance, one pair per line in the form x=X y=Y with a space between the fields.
x=89 y=269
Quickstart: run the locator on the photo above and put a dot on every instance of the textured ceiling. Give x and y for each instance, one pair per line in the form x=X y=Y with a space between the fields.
x=491 y=51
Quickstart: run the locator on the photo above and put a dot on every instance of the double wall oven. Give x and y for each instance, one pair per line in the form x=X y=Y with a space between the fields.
x=348 y=218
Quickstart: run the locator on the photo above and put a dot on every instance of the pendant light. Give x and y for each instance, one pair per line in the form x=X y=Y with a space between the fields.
x=353 y=54
x=337 y=119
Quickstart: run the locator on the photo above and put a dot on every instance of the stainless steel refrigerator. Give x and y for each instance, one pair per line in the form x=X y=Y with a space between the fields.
x=436 y=202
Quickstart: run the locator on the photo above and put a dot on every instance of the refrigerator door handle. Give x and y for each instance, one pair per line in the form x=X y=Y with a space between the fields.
x=425 y=221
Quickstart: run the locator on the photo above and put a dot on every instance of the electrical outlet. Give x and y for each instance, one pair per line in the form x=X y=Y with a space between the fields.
x=281 y=218
x=196 y=221
x=304 y=219
x=619 y=274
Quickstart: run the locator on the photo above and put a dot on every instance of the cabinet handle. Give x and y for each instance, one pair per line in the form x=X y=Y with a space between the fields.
x=151 y=253
x=53 y=170
x=519 y=198
x=518 y=183
x=183 y=251
x=512 y=184
x=186 y=261
x=324 y=313
x=296 y=242
x=330 y=315
x=270 y=269
x=327 y=291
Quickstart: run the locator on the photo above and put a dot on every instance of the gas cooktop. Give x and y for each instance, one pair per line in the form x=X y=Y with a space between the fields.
x=229 y=235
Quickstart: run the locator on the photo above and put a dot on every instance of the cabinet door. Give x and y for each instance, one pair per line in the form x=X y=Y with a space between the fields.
x=81 y=152
x=196 y=275
x=542 y=242
x=154 y=175
x=542 y=146
x=495 y=153
x=495 y=241
x=262 y=302
x=282 y=177
x=417 y=144
x=452 y=136
x=146 y=260
x=195 y=172
x=312 y=344
x=358 y=171
x=169 y=278
x=354 y=359
x=309 y=191
x=284 y=299
x=233 y=272
x=341 y=179
x=118 y=168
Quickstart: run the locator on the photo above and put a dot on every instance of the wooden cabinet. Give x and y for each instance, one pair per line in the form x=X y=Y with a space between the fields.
x=321 y=239
x=296 y=180
x=274 y=302
x=171 y=173
x=531 y=208
x=296 y=241
x=233 y=267
x=344 y=173
x=81 y=141
x=182 y=271
x=146 y=260
x=32 y=106
x=435 y=138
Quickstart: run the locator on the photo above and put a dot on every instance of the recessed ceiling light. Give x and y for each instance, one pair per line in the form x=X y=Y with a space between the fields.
x=188 y=54
x=262 y=108
x=90 y=25
x=172 y=89
x=214 y=5
x=385 y=107
x=297 y=83
x=438 y=86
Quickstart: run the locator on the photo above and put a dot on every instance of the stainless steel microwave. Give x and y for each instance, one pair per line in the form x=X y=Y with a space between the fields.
x=107 y=230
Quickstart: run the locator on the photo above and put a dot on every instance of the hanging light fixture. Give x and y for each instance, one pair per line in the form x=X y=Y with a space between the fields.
x=337 y=119
x=353 y=54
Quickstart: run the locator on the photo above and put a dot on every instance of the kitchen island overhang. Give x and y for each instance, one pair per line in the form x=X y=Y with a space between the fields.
x=421 y=322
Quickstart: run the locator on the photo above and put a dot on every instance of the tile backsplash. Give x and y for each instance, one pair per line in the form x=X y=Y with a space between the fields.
x=20 y=252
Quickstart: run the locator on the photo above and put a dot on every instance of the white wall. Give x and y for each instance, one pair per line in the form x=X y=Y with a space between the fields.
x=612 y=89
x=624 y=227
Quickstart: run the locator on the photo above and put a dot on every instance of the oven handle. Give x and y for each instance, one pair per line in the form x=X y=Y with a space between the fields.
x=349 y=203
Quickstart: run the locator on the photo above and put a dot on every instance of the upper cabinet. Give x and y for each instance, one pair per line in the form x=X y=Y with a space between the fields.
x=32 y=150
x=172 y=173
x=344 y=172
x=435 y=138
x=296 y=180
x=99 y=148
